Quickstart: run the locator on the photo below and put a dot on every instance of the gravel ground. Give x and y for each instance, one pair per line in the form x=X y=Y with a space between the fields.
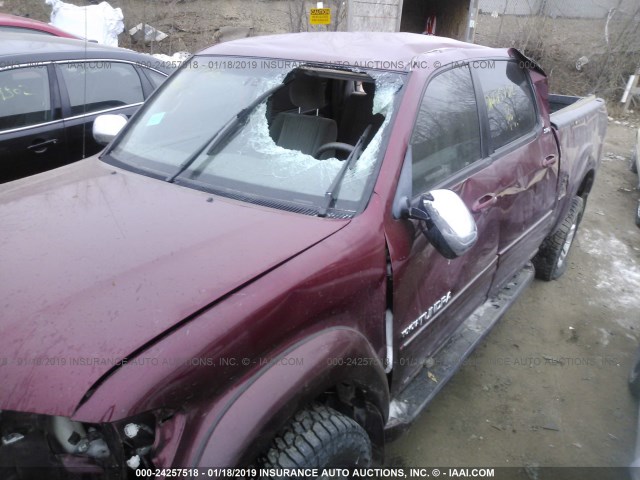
x=548 y=385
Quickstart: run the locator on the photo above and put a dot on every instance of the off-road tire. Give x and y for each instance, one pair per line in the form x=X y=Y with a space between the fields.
x=552 y=259
x=319 y=437
x=634 y=376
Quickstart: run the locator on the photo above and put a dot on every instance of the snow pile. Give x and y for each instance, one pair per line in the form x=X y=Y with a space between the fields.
x=175 y=59
x=619 y=273
x=101 y=22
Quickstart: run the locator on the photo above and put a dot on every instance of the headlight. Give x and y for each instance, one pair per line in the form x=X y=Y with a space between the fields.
x=42 y=446
x=75 y=438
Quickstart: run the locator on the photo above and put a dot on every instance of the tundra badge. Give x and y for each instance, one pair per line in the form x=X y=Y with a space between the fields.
x=431 y=311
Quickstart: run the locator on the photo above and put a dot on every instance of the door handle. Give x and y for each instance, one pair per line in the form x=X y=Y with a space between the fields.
x=41 y=147
x=549 y=160
x=484 y=202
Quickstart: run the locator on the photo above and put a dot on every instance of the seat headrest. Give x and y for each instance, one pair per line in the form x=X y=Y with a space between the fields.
x=308 y=93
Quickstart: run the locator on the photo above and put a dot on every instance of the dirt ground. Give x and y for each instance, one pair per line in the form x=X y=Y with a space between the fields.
x=548 y=387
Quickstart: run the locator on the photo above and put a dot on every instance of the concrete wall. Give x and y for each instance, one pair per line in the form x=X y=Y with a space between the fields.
x=374 y=15
x=559 y=8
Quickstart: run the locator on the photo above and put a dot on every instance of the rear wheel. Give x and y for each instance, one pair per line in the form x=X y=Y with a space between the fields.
x=552 y=258
x=319 y=437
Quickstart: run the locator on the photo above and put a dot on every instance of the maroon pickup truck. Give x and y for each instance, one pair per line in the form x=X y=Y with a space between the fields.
x=283 y=256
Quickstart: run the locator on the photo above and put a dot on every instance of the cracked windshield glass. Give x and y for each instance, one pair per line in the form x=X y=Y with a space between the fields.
x=284 y=136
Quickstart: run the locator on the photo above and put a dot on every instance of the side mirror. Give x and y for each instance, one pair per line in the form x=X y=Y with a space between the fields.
x=449 y=226
x=106 y=127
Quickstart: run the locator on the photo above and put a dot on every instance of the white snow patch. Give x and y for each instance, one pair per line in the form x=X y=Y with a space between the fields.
x=619 y=275
x=175 y=59
x=101 y=22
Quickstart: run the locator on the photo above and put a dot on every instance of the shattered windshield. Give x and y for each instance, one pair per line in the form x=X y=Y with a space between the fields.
x=258 y=133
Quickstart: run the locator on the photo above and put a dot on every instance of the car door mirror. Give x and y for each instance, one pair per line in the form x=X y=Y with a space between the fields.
x=447 y=222
x=106 y=127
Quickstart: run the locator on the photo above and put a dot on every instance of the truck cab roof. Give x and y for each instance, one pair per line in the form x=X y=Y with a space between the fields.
x=367 y=49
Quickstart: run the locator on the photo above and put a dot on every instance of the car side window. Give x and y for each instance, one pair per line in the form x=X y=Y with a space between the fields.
x=155 y=78
x=446 y=137
x=98 y=85
x=509 y=101
x=24 y=97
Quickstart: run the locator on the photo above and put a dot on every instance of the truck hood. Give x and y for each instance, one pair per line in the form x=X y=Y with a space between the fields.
x=97 y=262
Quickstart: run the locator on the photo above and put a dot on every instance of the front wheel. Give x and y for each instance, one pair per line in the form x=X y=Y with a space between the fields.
x=319 y=437
x=552 y=259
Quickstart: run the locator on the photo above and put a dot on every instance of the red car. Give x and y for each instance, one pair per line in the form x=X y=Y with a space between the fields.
x=12 y=23
x=283 y=256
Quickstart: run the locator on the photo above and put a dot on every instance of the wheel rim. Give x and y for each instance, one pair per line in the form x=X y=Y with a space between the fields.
x=566 y=246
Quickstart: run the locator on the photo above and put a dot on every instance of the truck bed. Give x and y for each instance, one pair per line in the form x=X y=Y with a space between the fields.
x=566 y=108
x=558 y=102
x=580 y=124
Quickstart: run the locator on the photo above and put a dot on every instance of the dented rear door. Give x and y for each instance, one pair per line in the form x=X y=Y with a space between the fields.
x=525 y=152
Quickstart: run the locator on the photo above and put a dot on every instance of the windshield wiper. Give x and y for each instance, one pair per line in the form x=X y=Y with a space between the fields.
x=332 y=191
x=225 y=131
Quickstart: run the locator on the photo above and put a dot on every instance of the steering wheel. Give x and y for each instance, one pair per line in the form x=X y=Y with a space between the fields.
x=345 y=147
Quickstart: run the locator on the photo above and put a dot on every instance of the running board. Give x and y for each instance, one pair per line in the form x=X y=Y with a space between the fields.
x=423 y=388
